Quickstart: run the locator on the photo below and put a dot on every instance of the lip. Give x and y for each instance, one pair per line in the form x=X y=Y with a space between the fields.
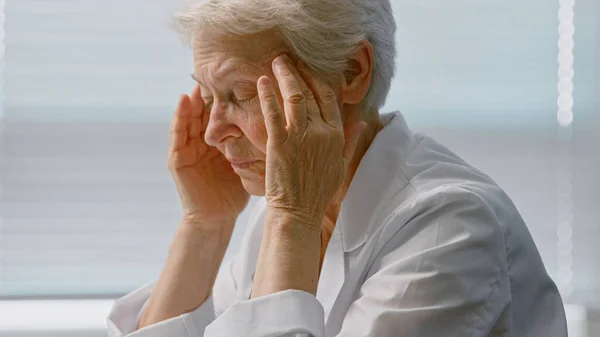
x=241 y=163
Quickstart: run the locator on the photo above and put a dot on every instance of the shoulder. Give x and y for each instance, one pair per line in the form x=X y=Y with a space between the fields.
x=443 y=249
x=447 y=225
x=443 y=189
x=447 y=237
x=468 y=202
x=451 y=231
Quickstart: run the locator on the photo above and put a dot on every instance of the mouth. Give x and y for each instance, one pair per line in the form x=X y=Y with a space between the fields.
x=240 y=163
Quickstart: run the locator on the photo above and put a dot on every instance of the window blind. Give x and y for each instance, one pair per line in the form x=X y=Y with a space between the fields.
x=88 y=207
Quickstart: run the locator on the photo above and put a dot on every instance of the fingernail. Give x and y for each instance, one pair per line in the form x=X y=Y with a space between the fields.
x=264 y=81
x=278 y=62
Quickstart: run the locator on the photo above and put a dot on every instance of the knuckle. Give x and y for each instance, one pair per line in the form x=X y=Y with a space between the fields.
x=295 y=97
x=287 y=75
x=269 y=101
x=308 y=94
x=273 y=110
x=326 y=94
x=274 y=115
x=268 y=96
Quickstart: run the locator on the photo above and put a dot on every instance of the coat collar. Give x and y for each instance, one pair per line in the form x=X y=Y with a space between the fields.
x=378 y=173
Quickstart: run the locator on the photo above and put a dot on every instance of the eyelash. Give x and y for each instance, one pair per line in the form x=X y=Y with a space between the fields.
x=240 y=102
x=208 y=104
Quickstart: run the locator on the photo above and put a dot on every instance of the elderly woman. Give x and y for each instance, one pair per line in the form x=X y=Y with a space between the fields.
x=365 y=228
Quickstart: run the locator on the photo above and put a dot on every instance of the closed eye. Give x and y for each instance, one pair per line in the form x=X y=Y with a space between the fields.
x=238 y=101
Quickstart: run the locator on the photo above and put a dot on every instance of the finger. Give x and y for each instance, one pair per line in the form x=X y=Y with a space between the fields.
x=197 y=102
x=179 y=123
x=205 y=117
x=351 y=139
x=271 y=109
x=327 y=101
x=302 y=72
x=197 y=110
x=196 y=128
x=291 y=92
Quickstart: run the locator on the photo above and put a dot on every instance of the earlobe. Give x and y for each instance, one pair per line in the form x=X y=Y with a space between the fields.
x=357 y=76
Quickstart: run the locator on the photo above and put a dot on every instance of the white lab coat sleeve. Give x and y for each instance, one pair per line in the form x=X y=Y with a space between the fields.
x=443 y=273
x=124 y=316
x=287 y=313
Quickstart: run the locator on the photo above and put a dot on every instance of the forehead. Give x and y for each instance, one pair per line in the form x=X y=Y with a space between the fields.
x=214 y=51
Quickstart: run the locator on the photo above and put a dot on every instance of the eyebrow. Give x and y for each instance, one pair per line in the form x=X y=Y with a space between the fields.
x=246 y=82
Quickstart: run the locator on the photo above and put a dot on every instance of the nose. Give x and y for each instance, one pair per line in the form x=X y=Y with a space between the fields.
x=220 y=128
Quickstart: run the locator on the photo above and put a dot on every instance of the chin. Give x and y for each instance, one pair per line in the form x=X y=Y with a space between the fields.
x=254 y=187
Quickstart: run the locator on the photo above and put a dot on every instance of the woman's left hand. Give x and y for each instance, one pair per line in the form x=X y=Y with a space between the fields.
x=309 y=151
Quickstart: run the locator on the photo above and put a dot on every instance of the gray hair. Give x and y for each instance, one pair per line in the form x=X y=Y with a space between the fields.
x=322 y=33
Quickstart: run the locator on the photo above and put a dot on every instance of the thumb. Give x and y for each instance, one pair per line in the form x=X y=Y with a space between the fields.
x=351 y=137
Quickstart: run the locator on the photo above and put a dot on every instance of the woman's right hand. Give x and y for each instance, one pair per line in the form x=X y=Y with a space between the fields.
x=210 y=191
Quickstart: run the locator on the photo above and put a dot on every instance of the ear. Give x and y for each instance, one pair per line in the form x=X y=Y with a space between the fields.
x=357 y=76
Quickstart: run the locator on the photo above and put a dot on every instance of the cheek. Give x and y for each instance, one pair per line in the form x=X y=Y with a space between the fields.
x=256 y=130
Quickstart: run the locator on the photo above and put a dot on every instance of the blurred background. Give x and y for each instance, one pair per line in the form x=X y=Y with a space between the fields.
x=88 y=208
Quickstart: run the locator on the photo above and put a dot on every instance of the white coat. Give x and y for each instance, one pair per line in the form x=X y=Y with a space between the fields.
x=424 y=245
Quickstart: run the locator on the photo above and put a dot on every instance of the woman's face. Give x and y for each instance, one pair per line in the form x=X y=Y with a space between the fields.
x=227 y=69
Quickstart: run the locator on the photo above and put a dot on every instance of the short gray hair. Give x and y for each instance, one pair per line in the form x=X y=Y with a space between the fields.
x=322 y=33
